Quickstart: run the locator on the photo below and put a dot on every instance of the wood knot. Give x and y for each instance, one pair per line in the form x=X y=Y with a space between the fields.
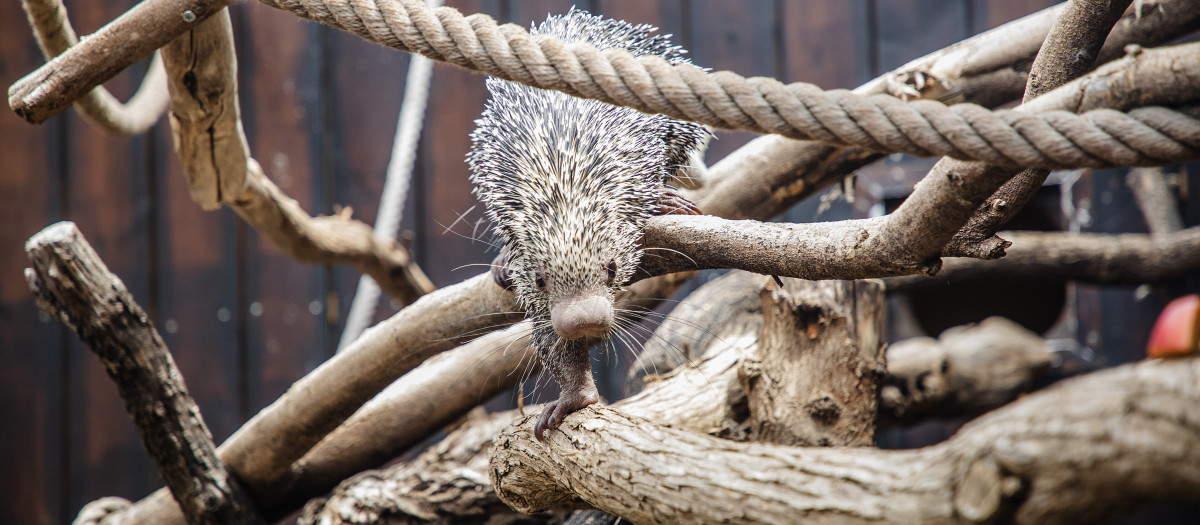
x=983 y=492
x=824 y=410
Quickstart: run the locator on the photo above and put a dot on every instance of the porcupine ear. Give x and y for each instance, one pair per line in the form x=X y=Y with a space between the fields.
x=500 y=272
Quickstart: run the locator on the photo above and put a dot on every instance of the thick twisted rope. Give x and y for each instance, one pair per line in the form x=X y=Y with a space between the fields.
x=54 y=35
x=1056 y=139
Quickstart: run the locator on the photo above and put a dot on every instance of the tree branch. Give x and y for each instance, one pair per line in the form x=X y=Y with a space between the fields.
x=704 y=397
x=72 y=284
x=1128 y=258
x=54 y=35
x=1156 y=200
x=1114 y=422
x=147 y=26
x=816 y=376
x=966 y=371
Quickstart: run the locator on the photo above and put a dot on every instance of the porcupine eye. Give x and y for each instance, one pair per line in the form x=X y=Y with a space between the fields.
x=612 y=271
x=539 y=280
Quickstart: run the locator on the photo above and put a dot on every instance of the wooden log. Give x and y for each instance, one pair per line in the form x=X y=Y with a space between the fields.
x=816 y=376
x=72 y=284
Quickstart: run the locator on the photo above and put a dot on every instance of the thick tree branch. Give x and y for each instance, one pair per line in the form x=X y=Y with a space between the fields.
x=55 y=35
x=71 y=283
x=447 y=483
x=149 y=25
x=705 y=398
x=1122 y=438
x=966 y=371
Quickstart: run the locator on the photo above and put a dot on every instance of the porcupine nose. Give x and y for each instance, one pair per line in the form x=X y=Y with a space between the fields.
x=581 y=316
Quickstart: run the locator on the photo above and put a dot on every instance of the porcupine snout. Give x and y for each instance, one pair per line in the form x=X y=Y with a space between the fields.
x=581 y=315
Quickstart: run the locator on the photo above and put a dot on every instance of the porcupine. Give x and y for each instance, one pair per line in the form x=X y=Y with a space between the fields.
x=568 y=184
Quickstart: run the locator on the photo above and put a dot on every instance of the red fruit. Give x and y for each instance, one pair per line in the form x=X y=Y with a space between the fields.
x=1175 y=332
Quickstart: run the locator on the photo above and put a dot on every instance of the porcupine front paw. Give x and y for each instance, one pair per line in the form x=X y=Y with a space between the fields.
x=567 y=403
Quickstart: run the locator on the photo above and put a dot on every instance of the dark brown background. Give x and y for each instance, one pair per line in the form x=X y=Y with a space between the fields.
x=243 y=321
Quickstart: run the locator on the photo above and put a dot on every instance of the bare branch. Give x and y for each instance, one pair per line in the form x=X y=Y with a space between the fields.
x=706 y=398
x=72 y=284
x=202 y=72
x=1114 y=422
x=55 y=35
x=966 y=371
x=1128 y=258
x=149 y=25
x=1156 y=200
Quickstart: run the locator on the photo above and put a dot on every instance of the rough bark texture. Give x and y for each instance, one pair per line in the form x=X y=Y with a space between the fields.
x=703 y=397
x=816 y=376
x=205 y=115
x=72 y=284
x=967 y=371
x=414 y=407
x=99 y=107
x=1079 y=451
x=133 y=36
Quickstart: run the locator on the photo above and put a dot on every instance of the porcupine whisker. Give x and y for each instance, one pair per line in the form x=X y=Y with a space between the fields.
x=459 y=219
x=489 y=266
x=647 y=251
x=692 y=324
x=690 y=364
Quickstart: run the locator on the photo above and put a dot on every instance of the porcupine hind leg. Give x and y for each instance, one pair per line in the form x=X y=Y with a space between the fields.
x=571 y=368
x=672 y=203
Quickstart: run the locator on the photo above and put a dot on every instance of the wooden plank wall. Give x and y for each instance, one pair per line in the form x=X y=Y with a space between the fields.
x=320 y=106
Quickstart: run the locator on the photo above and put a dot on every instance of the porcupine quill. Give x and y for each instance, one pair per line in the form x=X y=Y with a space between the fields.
x=568 y=185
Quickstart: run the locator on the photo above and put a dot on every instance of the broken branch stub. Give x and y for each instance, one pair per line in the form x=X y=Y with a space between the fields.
x=816 y=376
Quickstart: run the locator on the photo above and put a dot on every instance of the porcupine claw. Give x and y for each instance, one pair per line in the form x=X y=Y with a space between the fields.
x=567 y=403
x=672 y=203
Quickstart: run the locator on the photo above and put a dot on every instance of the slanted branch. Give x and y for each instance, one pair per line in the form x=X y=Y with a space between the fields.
x=72 y=284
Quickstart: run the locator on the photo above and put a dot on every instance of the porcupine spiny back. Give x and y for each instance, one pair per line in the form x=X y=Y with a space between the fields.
x=569 y=183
